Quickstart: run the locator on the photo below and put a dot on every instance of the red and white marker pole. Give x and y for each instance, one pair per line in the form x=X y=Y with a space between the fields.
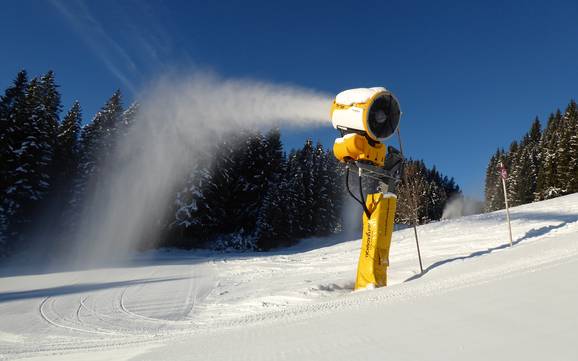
x=504 y=176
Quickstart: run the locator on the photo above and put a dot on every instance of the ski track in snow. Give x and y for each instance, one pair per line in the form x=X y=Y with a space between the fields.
x=170 y=295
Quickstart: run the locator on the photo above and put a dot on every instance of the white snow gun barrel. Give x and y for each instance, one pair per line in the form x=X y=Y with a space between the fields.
x=366 y=117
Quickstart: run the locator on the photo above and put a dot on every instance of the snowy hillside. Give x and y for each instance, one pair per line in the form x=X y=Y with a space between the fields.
x=478 y=300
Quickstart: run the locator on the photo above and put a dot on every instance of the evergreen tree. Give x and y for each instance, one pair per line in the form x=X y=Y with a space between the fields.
x=498 y=201
x=567 y=168
x=13 y=114
x=97 y=142
x=543 y=165
x=296 y=202
x=274 y=155
x=325 y=201
x=130 y=114
x=535 y=161
x=511 y=160
x=305 y=181
x=273 y=223
x=547 y=182
x=522 y=180
x=489 y=188
x=67 y=148
x=36 y=121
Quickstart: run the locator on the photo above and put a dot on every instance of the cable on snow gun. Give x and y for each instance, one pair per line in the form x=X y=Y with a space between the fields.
x=366 y=117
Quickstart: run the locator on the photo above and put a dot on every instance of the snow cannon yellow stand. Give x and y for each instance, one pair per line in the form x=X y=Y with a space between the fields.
x=366 y=117
x=377 y=232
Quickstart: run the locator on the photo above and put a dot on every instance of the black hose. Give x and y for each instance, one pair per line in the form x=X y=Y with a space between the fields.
x=363 y=205
x=367 y=213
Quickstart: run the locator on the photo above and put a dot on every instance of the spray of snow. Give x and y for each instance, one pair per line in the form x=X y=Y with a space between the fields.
x=177 y=124
x=461 y=206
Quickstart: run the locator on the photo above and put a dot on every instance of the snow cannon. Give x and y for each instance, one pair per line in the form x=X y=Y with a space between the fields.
x=365 y=117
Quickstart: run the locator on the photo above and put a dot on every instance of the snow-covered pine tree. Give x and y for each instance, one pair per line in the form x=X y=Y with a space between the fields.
x=547 y=183
x=96 y=146
x=67 y=149
x=563 y=153
x=511 y=160
x=272 y=227
x=186 y=229
x=130 y=114
x=517 y=182
x=566 y=166
x=336 y=192
x=306 y=170
x=524 y=171
x=299 y=195
x=535 y=158
x=98 y=138
x=217 y=191
x=295 y=197
x=572 y=113
x=322 y=222
x=498 y=201
x=489 y=183
x=13 y=113
x=274 y=155
x=33 y=151
x=543 y=165
x=495 y=195
x=109 y=121
x=254 y=174
x=273 y=224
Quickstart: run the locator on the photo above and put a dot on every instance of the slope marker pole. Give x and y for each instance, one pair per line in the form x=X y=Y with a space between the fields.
x=504 y=175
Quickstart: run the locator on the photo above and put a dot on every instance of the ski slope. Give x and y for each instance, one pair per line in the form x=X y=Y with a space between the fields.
x=478 y=299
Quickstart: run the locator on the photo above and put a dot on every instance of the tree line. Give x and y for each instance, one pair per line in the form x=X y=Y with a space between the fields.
x=541 y=165
x=252 y=194
x=47 y=164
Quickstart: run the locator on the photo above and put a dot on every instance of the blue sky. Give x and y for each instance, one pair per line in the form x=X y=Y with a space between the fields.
x=470 y=75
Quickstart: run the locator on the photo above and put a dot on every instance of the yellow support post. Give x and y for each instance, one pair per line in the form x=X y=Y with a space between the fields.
x=377 y=232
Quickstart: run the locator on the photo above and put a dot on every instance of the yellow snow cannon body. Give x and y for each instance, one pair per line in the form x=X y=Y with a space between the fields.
x=354 y=146
x=373 y=112
x=377 y=232
x=366 y=117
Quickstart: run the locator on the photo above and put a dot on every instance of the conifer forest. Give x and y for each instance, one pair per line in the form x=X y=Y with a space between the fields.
x=253 y=194
x=541 y=165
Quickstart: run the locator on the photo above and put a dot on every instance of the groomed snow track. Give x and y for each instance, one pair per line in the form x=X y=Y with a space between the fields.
x=168 y=303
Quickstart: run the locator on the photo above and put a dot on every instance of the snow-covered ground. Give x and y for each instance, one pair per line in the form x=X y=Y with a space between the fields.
x=478 y=300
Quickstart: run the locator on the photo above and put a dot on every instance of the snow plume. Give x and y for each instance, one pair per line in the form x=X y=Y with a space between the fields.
x=351 y=216
x=461 y=206
x=178 y=123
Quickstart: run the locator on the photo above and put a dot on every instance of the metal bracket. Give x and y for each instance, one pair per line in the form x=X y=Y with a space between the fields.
x=389 y=175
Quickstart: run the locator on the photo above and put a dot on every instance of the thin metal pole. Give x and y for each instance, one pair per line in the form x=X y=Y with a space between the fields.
x=399 y=141
x=417 y=245
x=507 y=209
x=414 y=223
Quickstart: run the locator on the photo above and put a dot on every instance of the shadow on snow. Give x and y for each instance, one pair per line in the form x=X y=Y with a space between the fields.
x=78 y=288
x=564 y=219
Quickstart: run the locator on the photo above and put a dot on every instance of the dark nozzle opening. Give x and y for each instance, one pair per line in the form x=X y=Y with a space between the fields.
x=383 y=116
